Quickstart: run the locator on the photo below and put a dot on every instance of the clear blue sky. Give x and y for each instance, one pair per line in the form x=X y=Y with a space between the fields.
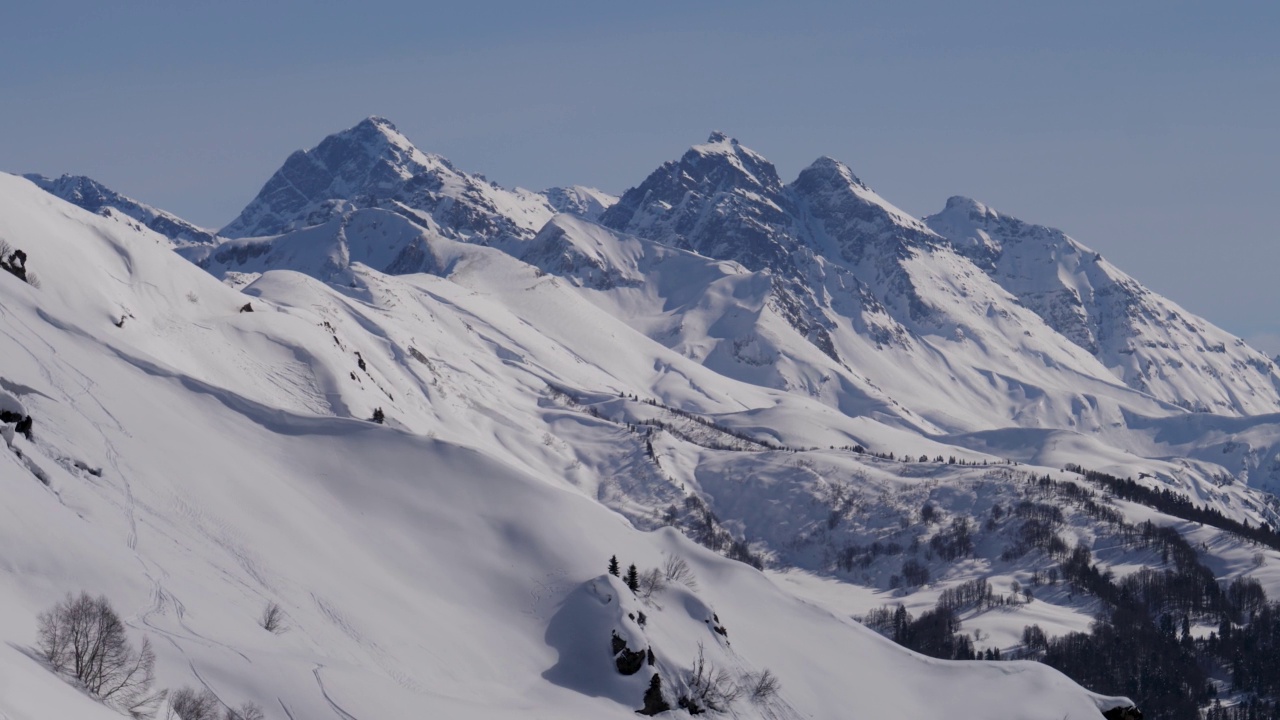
x=1147 y=130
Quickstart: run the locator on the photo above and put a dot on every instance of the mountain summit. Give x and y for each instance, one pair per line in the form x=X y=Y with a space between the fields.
x=372 y=165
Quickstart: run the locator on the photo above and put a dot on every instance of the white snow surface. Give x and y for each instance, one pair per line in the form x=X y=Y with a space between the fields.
x=193 y=462
x=557 y=391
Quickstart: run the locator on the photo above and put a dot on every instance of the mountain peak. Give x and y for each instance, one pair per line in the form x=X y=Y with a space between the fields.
x=969 y=206
x=373 y=165
x=829 y=167
x=377 y=121
x=371 y=159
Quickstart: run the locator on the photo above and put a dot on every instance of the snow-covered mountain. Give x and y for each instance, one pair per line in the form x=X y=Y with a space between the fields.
x=97 y=198
x=373 y=165
x=1150 y=342
x=194 y=461
x=717 y=366
x=842 y=257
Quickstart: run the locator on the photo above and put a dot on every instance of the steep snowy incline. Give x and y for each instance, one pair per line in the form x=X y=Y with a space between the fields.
x=418 y=577
x=98 y=198
x=1147 y=340
x=373 y=165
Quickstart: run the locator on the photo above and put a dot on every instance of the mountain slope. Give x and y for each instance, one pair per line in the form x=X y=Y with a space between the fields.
x=1150 y=342
x=195 y=462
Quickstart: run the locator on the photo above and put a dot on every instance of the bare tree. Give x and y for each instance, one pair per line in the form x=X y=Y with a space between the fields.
x=652 y=582
x=189 y=704
x=711 y=687
x=676 y=569
x=247 y=711
x=762 y=686
x=272 y=619
x=82 y=637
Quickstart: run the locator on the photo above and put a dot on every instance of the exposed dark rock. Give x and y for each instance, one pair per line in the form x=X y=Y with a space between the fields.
x=1123 y=713
x=22 y=423
x=627 y=661
x=247 y=307
x=15 y=264
x=24 y=427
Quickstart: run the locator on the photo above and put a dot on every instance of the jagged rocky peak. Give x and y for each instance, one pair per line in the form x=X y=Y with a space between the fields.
x=374 y=165
x=371 y=159
x=95 y=197
x=827 y=170
x=720 y=199
x=850 y=219
x=724 y=158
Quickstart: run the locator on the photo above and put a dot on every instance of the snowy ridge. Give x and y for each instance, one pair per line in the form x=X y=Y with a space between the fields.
x=585 y=202
x=97 y=198
x=1148 y=341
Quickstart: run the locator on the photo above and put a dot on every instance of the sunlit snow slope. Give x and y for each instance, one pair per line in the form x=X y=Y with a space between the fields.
x=194 y=461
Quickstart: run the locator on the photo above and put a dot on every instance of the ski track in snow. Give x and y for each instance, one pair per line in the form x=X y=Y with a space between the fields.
x=337 y=709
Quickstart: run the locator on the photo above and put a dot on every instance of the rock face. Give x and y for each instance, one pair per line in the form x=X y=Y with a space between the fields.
x=98 y=198
x=1123 y=713
x=627 y=661
x=373 y=166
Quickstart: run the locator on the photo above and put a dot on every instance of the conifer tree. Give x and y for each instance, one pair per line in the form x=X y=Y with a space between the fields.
x=613 y=566
x=633 y=578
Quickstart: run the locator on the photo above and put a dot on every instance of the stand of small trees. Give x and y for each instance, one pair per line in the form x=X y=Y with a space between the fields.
x=1172 y=503
x=83 y=639
x=189 y=704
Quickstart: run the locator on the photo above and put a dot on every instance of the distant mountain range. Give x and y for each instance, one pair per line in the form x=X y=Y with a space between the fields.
x=797 y=376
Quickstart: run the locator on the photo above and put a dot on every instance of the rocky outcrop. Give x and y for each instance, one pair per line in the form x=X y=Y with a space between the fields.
x=627 y=661
x=1123 y=713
